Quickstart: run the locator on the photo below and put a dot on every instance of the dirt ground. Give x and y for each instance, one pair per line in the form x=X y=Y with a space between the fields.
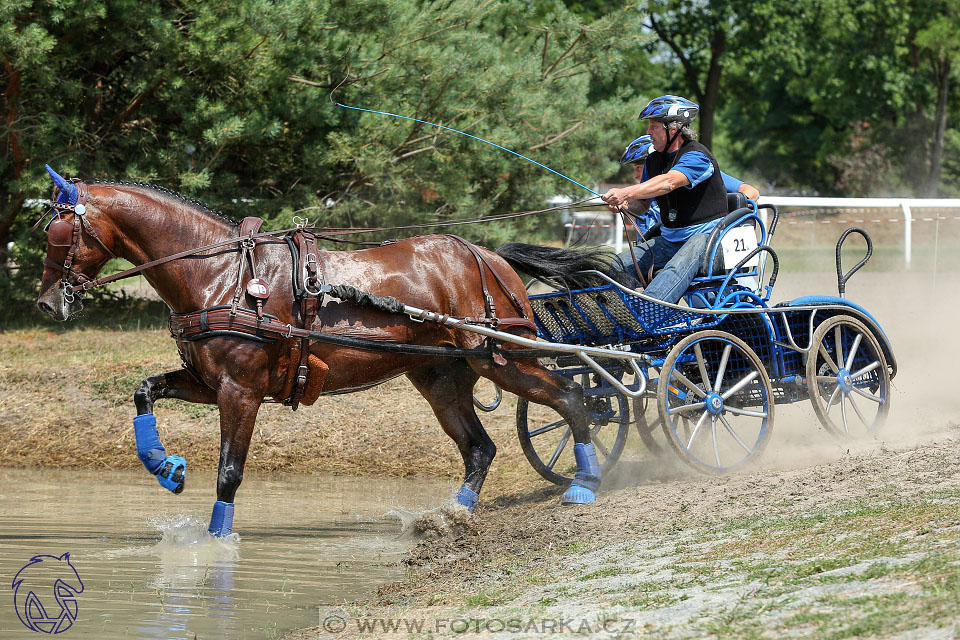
x=823 y=538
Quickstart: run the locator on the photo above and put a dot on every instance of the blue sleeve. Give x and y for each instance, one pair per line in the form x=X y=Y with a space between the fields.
x=731 y=184
x=654 y=212
x=696 y=166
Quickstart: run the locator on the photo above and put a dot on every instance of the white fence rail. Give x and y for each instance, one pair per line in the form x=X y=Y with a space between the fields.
x=906 y=205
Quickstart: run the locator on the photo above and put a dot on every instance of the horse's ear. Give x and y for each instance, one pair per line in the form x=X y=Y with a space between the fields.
x=68 y=191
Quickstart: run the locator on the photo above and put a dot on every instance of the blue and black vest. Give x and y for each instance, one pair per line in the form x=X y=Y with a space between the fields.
x=704 y=202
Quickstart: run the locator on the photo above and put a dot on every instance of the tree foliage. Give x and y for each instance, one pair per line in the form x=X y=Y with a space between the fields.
x=231 y=102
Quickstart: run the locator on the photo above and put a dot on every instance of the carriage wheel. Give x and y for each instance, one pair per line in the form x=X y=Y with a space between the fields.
x=547 y=439
x=648 y=425
x=847 y=378
x=716 y=401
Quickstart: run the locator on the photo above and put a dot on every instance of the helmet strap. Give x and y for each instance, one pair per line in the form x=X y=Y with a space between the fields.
x=671 y=139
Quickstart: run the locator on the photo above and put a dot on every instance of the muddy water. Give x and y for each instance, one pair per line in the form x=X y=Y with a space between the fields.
x=149 y=570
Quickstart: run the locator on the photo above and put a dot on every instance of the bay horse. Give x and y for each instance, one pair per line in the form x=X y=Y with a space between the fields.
x=237 y=372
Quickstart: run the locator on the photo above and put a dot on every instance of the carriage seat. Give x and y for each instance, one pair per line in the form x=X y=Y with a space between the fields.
x=738 y=206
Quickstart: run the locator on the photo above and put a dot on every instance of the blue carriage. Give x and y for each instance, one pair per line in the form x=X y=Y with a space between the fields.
x=714 y=368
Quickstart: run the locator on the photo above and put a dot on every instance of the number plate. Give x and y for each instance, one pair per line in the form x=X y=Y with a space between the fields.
x=737 y=243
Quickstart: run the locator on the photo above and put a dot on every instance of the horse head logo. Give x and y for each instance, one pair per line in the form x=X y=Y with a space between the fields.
x=56 y=612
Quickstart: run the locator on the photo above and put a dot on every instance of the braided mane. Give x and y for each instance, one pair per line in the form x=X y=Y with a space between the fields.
x=173 y=194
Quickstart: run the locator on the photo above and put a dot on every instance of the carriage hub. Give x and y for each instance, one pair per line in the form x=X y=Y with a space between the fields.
x=714 y=403
x=845 y=380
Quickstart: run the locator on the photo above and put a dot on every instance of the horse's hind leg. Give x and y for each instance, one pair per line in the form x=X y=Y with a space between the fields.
x=449 y=390
x=528 y=379
x=170 y=471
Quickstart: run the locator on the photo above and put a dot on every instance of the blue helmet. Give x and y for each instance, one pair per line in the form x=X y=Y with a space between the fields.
x=637 y=151
x=670 y=109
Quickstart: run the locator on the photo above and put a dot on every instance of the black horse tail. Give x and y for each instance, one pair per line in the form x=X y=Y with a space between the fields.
x=565 y=265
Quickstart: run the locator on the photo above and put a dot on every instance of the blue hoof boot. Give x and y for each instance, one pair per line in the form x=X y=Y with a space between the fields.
x=467 y=498
x=172 y=473
x=578 y=495
x=221 y=522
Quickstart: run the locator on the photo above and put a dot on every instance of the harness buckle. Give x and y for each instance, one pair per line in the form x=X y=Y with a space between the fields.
x=301 y=222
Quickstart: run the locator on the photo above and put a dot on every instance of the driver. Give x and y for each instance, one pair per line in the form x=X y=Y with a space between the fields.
x=685 y=180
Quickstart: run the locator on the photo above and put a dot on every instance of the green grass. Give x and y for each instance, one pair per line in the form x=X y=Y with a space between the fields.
x=489 y=598
x=606 y=572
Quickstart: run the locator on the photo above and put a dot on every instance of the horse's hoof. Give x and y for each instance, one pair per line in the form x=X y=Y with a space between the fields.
x=578 y=495
x=172 y=473
x=467 y=498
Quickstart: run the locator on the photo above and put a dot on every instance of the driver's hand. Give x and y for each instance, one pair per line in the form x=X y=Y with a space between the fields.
x=615 y=198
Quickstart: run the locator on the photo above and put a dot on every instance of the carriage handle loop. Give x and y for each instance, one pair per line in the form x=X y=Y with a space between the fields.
x=843 y=277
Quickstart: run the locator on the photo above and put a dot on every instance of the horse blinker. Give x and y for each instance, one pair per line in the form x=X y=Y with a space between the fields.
x=60 y=233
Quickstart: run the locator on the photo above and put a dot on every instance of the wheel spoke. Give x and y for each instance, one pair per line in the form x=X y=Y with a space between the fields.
x=843 y=414
x=867 y=369
x=546 y=428
x=716 y=448
x=687 y=383
x=833 y=397
x=867 y=395
x=560 y=447
x=744 y=412
x=723 y=367
x=853 y=352
x=747 y=379
x=734 y=434
x=828 y=359
x=857 y=411
x=696 y=428
x=685 y=407
x=838 y=342
x=702 y=365
x=600 y=446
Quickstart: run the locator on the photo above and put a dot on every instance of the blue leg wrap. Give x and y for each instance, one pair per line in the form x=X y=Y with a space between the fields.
x=467 y=498
x=169 y=470
x=221 y=522
x=587 y=479
x=586 y=456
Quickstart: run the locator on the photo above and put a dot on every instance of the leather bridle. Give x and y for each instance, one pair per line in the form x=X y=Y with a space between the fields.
x=64 y=233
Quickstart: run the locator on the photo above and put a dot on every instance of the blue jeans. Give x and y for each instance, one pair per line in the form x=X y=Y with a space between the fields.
x=679 y=263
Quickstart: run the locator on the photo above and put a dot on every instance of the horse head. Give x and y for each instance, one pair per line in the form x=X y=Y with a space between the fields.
x=79 y=243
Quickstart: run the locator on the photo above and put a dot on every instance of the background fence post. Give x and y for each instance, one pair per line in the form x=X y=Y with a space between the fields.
x=907 y=231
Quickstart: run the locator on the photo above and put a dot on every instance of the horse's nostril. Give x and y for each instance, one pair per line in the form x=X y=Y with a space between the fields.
x=45 y=307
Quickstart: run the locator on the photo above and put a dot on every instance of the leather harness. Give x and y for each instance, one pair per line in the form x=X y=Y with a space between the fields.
x=305 y=373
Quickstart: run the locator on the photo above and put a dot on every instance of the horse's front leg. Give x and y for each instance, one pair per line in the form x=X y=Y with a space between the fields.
x=238 y=413
x=170 y=471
